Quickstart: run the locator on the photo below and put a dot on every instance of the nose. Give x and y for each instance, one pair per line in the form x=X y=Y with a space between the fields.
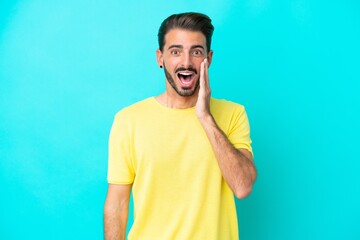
x=187 y=60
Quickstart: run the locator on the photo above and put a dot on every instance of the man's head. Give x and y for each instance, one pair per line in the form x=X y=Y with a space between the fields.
x=184 y=43
x=191 y=21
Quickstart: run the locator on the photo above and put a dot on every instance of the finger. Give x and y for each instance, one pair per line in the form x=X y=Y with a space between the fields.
x=206 y=71
x=202 y=74
x=206 y=74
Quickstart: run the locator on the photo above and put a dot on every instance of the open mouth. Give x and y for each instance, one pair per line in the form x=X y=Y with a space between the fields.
x=186 y=78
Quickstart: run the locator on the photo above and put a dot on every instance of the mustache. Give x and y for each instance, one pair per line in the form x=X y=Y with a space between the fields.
x=190 y=69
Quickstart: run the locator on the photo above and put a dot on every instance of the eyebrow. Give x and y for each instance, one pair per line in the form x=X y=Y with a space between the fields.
x=197 y=46
x=175 y=46
x=181 y=47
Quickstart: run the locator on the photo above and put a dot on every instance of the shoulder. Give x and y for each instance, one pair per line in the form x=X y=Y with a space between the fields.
x=228 y=115
x=136 y=109
x=223 y=105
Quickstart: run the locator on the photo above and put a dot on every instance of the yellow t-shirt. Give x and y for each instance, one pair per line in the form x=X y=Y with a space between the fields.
x=178 y=189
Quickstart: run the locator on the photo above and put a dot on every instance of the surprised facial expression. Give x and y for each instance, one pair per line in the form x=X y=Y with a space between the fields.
x=181 y=58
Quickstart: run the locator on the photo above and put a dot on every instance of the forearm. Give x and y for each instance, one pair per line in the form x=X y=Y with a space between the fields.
x=115 y=217
x=115 y=223
x=236 y=166
x=237 y=169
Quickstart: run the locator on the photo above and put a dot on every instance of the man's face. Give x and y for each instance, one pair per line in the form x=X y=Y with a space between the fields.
x=181 y=57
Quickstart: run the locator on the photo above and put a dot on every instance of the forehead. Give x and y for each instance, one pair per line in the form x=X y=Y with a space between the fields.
x=184 y=37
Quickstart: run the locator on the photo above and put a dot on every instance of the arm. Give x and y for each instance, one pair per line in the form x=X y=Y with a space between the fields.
x=116 y=211
x=236 y=165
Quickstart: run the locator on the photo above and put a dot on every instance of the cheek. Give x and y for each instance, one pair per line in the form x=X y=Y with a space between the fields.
x=199 y=60
x=198 y=65
x=170 y=65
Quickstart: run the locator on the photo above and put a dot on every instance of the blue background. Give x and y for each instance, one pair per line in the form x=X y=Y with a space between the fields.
x=66 y=67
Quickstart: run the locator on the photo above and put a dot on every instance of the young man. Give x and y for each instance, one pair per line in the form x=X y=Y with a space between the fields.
x=183 y=154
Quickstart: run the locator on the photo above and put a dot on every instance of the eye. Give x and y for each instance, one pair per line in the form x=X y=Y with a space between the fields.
x=175 y=52
x=197 y=52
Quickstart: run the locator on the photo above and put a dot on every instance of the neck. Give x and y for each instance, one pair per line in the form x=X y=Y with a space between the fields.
x=174 y=100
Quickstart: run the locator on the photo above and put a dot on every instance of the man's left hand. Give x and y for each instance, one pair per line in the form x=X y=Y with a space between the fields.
x=203 y=102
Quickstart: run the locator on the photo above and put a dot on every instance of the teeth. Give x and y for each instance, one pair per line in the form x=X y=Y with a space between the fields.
x=186 y=74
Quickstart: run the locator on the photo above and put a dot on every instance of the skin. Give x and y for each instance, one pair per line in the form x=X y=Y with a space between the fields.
x=236 y=165
x=182 y=49
x=187 y=50
x=116 y=211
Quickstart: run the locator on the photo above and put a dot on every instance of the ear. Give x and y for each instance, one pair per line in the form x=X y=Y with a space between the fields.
x=209 y=57
x=159 y=58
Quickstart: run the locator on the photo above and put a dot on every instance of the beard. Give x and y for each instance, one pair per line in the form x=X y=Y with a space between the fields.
x=184 y=92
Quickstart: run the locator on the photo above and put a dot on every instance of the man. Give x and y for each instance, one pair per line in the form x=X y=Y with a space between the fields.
x=183 y=154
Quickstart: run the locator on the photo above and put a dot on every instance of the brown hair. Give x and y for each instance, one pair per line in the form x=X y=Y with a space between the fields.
x=189 y=21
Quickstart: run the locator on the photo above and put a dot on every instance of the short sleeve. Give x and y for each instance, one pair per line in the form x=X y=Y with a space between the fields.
x=239 y=132
x=120 y=164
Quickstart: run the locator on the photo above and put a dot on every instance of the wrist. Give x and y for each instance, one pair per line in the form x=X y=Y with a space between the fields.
x=207 y=119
